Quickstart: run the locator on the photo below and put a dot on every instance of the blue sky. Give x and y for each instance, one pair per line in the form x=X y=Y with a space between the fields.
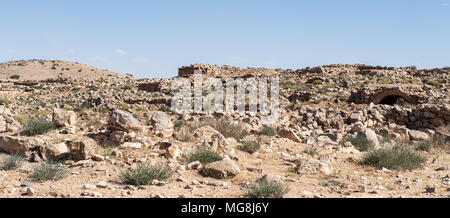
x=154 y=38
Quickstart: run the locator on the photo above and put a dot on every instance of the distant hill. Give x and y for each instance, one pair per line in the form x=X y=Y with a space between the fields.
x=51 y=69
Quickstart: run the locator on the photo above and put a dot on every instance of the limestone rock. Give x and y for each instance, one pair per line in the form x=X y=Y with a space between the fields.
x=313 y=166
x=418 y=135
x=63 y=118
x=372 y=136
x=221 y=170
x=162 y=123
x=82 y=149
x=286 y=132
x=173 y=152
x=19 y=145
x=123 y=121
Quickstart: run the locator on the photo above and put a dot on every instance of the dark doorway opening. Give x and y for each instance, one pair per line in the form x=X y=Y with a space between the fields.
x=392 y=99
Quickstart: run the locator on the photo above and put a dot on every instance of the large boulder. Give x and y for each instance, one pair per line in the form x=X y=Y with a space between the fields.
x=56 y=151
x=22 y=146
x=221 y=169
x=356 y=116
x=418 y=135
x=286 y=132
x=3 y=124
x=372 y=136
x=313 y=166
x=82 y=149
x=162 y=124
x=7 y=122
x=123 y=121
x=63 y=118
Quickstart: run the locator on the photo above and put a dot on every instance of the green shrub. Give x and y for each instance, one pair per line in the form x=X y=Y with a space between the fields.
x=124 y=107
x=204 y=155
x=268 y=131
x=38 y=126
x=397 y=157
x=266 y=188
x=4 y=100
x=250 y=146
x=11 y=162
x=425 y=145
x=144 y=174
x=428 y=145
x=227 y=128
x=361 y=142
x=290 y=85
x=317 y=82
x=434 y=82
x=49 y=171
x=127 y=87
x=179 y=123
x=385 y=140
x=14 y=76
x=21 y=118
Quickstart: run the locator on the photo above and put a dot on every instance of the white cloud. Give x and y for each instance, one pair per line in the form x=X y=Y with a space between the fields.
x=445 y=4
x=120 y=52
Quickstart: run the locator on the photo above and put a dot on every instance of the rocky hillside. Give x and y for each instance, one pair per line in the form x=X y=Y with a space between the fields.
x=45 y=69
x=344 y=131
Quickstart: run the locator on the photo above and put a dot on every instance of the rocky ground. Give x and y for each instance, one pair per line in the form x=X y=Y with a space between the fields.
x=103 y=126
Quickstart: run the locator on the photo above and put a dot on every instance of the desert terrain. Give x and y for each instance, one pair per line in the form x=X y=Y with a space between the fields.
x=345 y=131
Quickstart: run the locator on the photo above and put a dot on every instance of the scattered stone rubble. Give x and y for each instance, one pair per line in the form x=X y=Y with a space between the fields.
x=103 y=126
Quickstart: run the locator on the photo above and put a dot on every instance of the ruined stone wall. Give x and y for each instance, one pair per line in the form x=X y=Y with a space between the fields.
x=424 y=116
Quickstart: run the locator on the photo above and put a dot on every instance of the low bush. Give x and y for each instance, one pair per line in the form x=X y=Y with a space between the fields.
x=38 y=126
x=250 y=146
x=266 y=188
x=204 y=156
x=49 y=171
x=11 y=162
x=144 y=174
x=397 y=157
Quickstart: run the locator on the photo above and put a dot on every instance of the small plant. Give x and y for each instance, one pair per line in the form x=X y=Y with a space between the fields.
x=49 y=171
x=184 y=134
x=434 y=82
x=4 y=100
x=266 y=188
x=143 y=174
x=38 y=126
x=92 y=87
x=127 y=87
x=227 y=128
x=11 y=162
x=425 y=145
x=204 y=156
x=21 y=118
x=361 y=142
x=268 y=131
x=141 y=108
x=14 y=76
x=385 y=140
x=179 y=123
x=428 y=145
x=397 y=157
x=317 y=82
x=124 y=107
x=250 y=146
